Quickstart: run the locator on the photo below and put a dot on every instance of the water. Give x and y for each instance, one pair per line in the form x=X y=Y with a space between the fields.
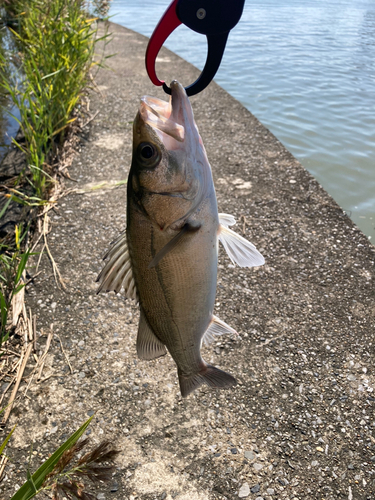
x=8 y=125
x=306 y=70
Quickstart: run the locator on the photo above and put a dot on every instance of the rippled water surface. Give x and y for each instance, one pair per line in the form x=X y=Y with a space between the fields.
x=306 y=70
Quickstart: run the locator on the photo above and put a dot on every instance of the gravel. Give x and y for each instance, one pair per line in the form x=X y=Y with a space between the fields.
x=304 y=358
x=244 y=491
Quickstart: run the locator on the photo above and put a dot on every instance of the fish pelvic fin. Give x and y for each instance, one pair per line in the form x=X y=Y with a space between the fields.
x=117 y=272
x=148 y=345
x=210 y=375
x=239 y=250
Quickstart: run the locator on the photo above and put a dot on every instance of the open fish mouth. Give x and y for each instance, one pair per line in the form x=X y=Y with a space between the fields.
x=173 y=119
x=157 y=114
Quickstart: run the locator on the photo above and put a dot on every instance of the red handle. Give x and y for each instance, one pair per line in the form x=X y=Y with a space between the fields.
x=166 y=25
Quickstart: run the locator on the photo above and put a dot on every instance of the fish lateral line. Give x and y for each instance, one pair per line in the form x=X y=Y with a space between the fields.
x=187 y=228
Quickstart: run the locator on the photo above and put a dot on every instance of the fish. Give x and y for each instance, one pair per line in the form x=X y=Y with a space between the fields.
x=167 y=257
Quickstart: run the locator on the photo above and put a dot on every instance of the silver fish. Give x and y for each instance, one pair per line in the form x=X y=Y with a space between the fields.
x=167 y=258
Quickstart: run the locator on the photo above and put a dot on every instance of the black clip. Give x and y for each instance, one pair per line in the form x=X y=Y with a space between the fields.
x=213 y=18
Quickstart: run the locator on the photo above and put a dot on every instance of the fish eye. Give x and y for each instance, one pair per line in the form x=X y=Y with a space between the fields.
x=147 y=152
x=148 y=155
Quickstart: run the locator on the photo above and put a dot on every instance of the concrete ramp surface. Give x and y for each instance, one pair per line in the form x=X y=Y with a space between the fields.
x=300 y=423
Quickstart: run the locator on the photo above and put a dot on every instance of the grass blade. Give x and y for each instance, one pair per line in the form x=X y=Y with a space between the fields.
x=26 y=492
x=4 y=443
x=5 y=207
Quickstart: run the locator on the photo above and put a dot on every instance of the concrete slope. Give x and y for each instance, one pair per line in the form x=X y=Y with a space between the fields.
x=300 y=424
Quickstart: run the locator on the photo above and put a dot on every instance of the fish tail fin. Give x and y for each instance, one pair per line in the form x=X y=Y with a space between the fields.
x=210 y=375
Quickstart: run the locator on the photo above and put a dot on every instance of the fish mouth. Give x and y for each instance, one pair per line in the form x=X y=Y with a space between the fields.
x=173 y=122
x=170 y=120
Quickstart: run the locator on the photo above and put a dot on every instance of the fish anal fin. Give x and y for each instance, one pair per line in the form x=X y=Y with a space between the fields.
x=210 y=375
x=148 y=345
x=217 y=327
x=239 y=250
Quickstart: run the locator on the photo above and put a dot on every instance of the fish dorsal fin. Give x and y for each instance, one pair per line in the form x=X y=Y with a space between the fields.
x=240 y=251
x=187 y=228
x=217 y=327
x=148 y=345
x=117 y=272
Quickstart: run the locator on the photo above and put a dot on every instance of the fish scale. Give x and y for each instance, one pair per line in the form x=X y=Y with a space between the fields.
x=170 y=293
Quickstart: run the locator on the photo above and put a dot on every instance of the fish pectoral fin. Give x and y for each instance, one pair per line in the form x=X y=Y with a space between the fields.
x=117 y=272
x=210 y=375
x=217 y=327
x=186 y=228
x=239 y=250
x=148 y=345
x=227 y=220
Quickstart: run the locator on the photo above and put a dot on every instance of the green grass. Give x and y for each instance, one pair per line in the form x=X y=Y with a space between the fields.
x=34 y=483
x=65 y=474
x=57 y=42
x=12 y=265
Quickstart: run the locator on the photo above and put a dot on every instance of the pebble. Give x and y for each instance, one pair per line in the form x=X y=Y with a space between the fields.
x=53 y=430
x=244 y=491
x=255 y=489
x=270 y=491
x=258 y=466
x=81 y=343
x=114 y=487
x=234 y=451
x=250 y=455
x=100 y=496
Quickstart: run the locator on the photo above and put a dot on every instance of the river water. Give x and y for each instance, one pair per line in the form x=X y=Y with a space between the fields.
x=8 y=125
x=306 y=70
